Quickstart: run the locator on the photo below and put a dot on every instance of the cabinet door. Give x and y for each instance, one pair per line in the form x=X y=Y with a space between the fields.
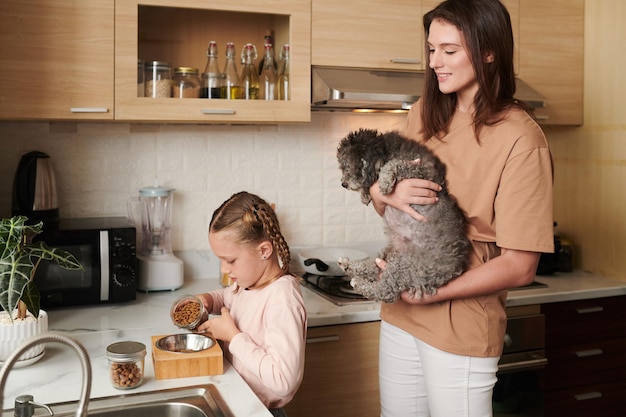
x=367 y=34
x=340 y=372
x=551 y=57
x=56 y=59
x=178 y=32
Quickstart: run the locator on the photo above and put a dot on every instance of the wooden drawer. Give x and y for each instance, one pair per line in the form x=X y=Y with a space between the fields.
x=602 y=400
x=592 y=363
x=584 y=321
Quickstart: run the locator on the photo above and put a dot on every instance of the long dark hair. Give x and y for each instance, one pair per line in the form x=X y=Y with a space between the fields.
x=486 y=28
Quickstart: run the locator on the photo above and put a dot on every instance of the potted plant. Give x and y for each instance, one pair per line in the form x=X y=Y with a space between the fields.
x=19 y=297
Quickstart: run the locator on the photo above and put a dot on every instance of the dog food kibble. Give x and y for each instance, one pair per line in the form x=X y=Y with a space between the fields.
x=126 y=361
x=126 y=374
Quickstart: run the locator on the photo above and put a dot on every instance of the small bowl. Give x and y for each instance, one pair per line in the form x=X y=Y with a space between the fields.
x=187 y=312
x=185 y=343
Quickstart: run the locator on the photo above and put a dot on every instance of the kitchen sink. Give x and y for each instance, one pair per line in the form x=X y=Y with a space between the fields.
x=195 y=401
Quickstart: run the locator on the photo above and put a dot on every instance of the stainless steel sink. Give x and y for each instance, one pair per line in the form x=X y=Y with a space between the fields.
x=195 y=401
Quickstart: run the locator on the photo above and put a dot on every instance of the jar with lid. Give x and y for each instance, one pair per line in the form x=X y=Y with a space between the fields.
x=188 y=312
x=126 y=364
x=158 y=79
x=187 y=82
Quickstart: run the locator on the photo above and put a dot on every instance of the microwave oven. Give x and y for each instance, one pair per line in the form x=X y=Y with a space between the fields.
x=105 y=247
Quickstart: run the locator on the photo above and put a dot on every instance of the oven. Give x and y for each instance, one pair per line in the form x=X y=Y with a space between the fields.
x=336 y=289
x=520 y=370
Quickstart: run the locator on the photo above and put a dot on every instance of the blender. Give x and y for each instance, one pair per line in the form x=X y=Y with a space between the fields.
x=159 y=268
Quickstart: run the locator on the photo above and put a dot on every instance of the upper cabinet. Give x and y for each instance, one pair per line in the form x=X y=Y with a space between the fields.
x=551 y=57
x=367 y=34
x=178 y=32
x=56 y=60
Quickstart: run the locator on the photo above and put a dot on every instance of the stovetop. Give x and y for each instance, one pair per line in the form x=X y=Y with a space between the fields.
x=336 y=289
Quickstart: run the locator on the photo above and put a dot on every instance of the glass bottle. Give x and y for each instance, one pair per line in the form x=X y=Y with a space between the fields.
x=231 y=87
x=186 y=83
x=268 y=77
x=268 y=38
x=283 y=76
x=211 y=77
x=249 y=76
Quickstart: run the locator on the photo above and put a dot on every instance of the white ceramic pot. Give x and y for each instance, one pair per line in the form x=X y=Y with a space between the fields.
x=13 y=335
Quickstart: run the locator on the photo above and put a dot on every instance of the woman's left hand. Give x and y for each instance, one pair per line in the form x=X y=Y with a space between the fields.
x=222 y=327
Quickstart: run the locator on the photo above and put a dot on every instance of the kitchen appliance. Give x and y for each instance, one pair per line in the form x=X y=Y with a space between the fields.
x=323 y=261
x=34 y=188
x=336 y=289
x=562 y=260
x=518 y=390
x=335 y=89
x=105 y=247
x=159 y=268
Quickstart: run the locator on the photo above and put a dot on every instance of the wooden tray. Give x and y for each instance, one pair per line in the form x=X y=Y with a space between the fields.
x=168 y=365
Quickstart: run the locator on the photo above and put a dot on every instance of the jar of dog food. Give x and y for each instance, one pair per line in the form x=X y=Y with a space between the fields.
x=187 y=312
x=126 y=364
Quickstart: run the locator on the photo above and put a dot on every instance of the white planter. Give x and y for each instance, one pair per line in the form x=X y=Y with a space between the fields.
x=13 y=335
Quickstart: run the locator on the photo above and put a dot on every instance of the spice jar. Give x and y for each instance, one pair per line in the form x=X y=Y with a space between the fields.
x=126 y=364
x=187 y=312
x=158 y=80
x=187 y=83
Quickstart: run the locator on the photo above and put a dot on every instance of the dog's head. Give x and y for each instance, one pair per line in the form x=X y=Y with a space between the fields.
x=360 y=155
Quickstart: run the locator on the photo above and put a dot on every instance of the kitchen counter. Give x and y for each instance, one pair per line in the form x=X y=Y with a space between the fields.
x=56 y=377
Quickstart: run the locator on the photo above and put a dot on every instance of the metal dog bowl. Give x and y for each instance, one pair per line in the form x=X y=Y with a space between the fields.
x=185 y=343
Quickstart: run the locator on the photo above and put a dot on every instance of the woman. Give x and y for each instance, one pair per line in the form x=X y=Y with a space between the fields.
x=439 y=354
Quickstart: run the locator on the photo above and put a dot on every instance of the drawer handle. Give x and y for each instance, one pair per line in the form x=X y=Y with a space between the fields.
x=323 y=339
x=89 y=110
x=588 y=396
x=217 y=111
x=405 y=61
x=589 y=310
x=590 y=352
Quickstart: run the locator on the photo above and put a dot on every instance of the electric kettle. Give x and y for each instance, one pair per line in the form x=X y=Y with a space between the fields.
x=34 y=188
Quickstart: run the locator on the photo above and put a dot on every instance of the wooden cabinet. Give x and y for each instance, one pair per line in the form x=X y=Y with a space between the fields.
x=56 y=60
x=586 y=351
x=375 y=34
x=367 y=34
x=340 y=373
x=551 y=57
x=178 y=32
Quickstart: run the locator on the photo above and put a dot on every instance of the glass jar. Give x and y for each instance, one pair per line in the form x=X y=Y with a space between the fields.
x=187 y=312
x=126 y=364
x=158 y=79
x=187 y=83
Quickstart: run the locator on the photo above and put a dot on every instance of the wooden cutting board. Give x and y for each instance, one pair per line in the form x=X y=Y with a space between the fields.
x=168 y=365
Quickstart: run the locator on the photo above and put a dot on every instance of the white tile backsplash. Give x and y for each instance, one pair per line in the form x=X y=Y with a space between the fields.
x=100 y=165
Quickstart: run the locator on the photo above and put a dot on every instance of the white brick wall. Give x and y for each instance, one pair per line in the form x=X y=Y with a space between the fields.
x=100 y=165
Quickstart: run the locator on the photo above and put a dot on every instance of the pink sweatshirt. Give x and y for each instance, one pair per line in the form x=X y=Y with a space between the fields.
x=269 y=351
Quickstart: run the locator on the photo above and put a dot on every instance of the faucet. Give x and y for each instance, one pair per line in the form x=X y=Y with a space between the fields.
x=81 y=411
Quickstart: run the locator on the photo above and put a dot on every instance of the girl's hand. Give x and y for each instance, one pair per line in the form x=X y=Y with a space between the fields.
x=222 y=327
x=406 y=192
x=207 y=300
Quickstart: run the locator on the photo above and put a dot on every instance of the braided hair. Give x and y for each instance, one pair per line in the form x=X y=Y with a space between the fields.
x=254 y=221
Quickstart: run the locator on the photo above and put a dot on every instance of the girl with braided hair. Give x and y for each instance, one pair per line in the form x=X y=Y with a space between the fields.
x=262 y=320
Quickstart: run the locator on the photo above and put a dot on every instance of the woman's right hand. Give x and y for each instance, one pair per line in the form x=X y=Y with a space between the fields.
x=406 y=192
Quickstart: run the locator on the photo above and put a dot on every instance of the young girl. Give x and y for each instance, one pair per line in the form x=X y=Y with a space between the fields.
x=263 y=320
x=439 y=354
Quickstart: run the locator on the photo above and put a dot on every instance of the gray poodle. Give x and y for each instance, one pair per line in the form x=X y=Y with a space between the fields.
x=421 y=255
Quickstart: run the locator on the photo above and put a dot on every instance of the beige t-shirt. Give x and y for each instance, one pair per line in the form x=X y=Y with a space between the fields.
x=504 y=187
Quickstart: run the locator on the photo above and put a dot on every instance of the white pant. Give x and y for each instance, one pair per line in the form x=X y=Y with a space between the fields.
x=418 y=380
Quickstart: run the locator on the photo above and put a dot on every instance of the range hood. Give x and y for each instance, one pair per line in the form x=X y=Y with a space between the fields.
x=337 y=89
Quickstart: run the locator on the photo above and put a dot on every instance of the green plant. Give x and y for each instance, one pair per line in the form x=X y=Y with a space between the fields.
x=19 y=259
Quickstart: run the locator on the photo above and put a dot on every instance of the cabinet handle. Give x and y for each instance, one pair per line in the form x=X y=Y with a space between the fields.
x=588 y=396
x=542 y=117
x=589 y=310
x=89 y=110
x=590 y=352
x=405 y=61
x=322 y=339
x=217 y=111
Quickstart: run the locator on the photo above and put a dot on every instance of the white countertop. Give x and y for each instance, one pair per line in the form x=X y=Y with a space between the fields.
x=56 y=377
